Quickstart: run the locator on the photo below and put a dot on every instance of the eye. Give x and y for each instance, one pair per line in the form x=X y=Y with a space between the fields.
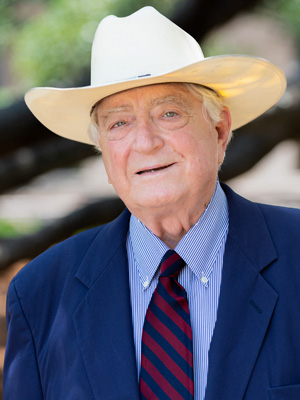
x=170 y=114
x=118 y=124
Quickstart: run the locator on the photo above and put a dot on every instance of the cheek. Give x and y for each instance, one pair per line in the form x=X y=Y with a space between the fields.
x=202 y=152
x=115 y=162
x=107 y=165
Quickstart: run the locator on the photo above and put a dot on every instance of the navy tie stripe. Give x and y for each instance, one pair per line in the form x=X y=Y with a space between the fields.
x=176 y=353
x=171 y=264
x=174 y=314
x=173 y=346
x=145 y=387
x=167 y=348
x=171 y=372
x=166 y=323
x=171 y=386
x=173 y=366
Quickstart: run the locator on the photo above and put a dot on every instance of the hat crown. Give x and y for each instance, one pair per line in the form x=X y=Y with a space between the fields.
x=143 y=44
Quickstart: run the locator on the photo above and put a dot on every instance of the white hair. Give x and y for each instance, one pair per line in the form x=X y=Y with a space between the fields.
x=212 y=106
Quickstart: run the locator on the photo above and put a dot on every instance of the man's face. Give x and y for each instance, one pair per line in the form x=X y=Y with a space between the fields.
x=159 y=150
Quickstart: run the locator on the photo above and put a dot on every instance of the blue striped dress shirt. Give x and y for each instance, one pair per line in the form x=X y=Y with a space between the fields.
x=202 y=248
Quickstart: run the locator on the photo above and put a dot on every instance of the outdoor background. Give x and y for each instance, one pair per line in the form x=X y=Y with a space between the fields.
x=51 y=188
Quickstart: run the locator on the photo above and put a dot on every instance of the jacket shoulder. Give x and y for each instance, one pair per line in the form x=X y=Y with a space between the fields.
x=286 y=215
x=58 y=260
x=65 y=257
x=283 y=224
x=258 y=227
x=274 y=216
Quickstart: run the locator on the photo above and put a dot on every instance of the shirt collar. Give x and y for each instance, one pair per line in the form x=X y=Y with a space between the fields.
x=199 y=247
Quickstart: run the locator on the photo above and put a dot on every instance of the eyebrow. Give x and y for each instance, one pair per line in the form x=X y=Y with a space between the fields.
x=115 y=110
x=169 y=99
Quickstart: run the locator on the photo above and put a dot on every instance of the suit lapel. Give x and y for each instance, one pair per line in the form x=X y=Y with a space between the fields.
x=246 y=302
x=103 y=321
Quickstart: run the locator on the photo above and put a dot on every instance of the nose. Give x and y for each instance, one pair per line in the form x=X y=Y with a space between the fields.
x=147 y=136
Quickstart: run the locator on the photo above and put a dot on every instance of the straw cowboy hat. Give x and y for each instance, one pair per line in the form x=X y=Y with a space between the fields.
x=146 y=48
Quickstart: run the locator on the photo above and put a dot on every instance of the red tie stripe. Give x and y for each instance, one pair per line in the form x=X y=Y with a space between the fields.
x=167 y=352
x=167 y=309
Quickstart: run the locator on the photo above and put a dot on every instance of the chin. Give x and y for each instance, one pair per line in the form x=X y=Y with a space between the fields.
x=155 y=201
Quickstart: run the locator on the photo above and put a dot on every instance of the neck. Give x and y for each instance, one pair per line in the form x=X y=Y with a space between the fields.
x=172 y=226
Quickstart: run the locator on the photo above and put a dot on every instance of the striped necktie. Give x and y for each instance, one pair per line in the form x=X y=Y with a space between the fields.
x=167 y=348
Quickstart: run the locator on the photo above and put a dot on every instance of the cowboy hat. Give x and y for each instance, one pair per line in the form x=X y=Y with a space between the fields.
x=146 y=48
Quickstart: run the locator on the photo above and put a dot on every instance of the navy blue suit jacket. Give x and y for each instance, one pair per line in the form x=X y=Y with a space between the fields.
x=70 y=331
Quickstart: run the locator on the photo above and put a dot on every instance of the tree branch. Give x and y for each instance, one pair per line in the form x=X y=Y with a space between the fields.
x=253 y=141
x=28 y=162
x=29 y=246
x=198 y=17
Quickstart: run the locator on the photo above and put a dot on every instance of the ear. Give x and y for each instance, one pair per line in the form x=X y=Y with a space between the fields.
x=223 y=131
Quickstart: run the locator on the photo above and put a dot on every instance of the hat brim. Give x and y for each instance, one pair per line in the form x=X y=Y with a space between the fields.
x=249 y=87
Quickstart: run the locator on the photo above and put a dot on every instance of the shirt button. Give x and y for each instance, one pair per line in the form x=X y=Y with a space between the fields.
x=204 y=279
x=146 y=283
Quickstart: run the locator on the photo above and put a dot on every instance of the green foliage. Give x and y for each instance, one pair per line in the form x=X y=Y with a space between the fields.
x=11 y=229
x=54 y=48
x=7 y=21
x=288 y=11
x=11 y=19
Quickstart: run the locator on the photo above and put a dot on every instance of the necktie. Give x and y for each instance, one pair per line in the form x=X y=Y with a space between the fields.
x=167 y=348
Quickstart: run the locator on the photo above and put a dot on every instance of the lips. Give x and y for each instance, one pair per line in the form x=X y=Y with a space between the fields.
x=151 y=170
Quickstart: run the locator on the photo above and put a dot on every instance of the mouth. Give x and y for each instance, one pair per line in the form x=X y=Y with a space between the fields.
x=153 y=170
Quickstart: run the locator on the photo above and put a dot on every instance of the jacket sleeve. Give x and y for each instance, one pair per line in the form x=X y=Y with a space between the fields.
x=21 y=372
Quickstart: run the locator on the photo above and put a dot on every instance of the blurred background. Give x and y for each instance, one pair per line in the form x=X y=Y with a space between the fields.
x=51 y=188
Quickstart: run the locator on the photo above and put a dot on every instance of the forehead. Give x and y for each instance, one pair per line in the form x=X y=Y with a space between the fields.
x=148 y=94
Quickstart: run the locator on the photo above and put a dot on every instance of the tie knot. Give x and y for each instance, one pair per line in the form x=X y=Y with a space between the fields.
x=171 y=264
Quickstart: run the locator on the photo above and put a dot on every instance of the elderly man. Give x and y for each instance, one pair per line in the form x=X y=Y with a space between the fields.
x=193 y=292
